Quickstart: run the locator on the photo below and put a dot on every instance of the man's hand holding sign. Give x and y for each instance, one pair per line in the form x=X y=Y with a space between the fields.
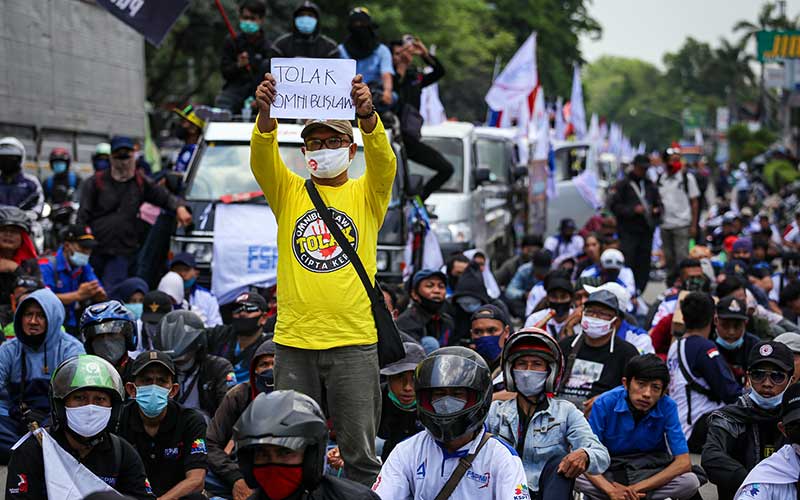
x=326 y=316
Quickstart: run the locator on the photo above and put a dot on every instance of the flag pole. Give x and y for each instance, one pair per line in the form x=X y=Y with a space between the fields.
x=228 y=25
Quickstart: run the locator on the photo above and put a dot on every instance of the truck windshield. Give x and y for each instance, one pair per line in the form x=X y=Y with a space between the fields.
x=453 y=150
x=224 y=169
x=496 y=156
x=570 y=162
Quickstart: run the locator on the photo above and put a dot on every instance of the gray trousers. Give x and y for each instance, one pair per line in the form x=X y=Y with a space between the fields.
x=351 y=379
x=675 y=243
x=680 y=488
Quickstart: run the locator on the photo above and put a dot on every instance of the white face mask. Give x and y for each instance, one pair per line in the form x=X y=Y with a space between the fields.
x=327 y=163
x=448 y=404
x=529 y=382
x=88 y=420
x=594 y=328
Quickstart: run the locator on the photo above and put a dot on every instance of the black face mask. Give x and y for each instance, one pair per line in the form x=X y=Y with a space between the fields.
x=611 y=274
x=10 y=165
x=246 y=326
x=431 y=306
x=265 y=381
x=362 y=35
x=696 y=284
x=561 y=308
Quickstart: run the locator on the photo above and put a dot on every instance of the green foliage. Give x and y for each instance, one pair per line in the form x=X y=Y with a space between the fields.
x=746 y=145
x=778 y=173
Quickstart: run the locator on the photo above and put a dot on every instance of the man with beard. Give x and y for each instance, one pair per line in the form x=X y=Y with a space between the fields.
x=110 y=207
x=424 y=316
x=745 y=432
x=373 y=59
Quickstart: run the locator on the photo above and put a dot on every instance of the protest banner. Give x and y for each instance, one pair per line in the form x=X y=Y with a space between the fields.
x=313 y=88
x=152 y=18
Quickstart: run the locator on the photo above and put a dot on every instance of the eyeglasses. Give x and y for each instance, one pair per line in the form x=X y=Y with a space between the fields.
x=759 y=376
x=330 y=143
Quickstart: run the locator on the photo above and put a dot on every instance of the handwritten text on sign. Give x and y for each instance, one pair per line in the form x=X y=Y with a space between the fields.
x=313 y=88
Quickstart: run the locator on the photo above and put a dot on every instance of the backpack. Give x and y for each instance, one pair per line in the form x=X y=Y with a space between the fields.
x=684 y=181
x=72 y=181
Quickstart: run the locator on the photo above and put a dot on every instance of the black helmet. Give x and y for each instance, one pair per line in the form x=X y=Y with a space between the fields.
x=453 y=367
x=181 y=332
x=283 y=418
x=107 y=318
x=533 y=341
x=84 y=372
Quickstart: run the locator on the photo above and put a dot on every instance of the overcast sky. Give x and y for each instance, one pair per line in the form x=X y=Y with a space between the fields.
x=647 y=29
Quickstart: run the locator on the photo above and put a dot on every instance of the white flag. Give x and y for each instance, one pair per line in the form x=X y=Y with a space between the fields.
x=577 y=111
x=698 y=137
x=594 y=130
x=561 y=126
x=65 y=477
x=431 y=107
x=517 y=80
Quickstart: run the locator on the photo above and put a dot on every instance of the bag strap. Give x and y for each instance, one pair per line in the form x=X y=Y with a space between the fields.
x=464 y=463
x=348 y=249
x=573 y=355
x=116 y=446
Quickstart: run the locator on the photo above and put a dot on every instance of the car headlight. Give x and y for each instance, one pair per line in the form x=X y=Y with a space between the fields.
x=202 y=252
x=460 y=232
x=441 y=232
x=382 y=260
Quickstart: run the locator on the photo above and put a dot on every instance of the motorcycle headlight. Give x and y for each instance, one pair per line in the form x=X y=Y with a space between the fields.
x=202 y=252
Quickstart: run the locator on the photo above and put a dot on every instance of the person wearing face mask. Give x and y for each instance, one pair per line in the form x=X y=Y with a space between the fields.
x=131 y=293
x=109 y=331
x=528 y=246
x=110 y=204
x=469 y=295
x=734 y=342
x=26 y=363
x=17 y=187
x=87 y=395
x=63 y=178
x=424 y=316
x=200 y=299
x=700 y=379
x=743 y=433
x=69 y=274
x=224 y=476
x=454 y=393
x=280 y=440
x=551 y=435
x=598 y=355
x=560 y=293
x=690 y=278
x=680 y=197
x=305 y=38
x=245 y=57
x=488 y=333
x=373 y=59
x=612 y=269
x=636 y=203
x=203 y=379
x=627 y=330
x=526 y=288
x=155 y=305
x=775 y=478
x=238 y=341
x=170 y=438
x=639 y=424
x=101 y=159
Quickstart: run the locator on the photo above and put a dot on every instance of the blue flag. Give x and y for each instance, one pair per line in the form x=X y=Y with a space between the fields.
x=152 y=18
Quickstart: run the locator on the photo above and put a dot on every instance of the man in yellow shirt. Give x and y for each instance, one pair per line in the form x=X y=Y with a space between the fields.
x=325 y=333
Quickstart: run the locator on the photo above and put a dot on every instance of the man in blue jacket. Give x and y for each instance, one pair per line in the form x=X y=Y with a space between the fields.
x=26 y=363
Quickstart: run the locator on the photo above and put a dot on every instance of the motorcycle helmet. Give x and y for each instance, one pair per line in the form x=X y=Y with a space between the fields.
x=84 y=372
x=283 y=418
x=60 y=154
x=532 y=341
x=453 y=367
x=12 y=154
x=107 y=318
x=181 y=334
x=14 y=216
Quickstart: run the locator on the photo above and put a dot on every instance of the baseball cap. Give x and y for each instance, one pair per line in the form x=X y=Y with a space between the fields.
x=490 y=311
x=424 y=274
x=732 y=308
x=185 y=258
x=414 y=354
x=80 y=234
x=542 y=259
x=771 y=352
x=121 y=142
x=612 y=259
x=620 y=292
x=790 y=406
x=558 y=282
x=147 y=358
x=604 y=298
x=790 y=340
x=341 y=126
x=156 y=305
x=251 y=299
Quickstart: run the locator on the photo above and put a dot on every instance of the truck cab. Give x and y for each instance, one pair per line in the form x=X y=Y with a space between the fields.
x=571 y=160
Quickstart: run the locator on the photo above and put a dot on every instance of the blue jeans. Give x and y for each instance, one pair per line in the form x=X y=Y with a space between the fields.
x=552 y=485
x=111 y=269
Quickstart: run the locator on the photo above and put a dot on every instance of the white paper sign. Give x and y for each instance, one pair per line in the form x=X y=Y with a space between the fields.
x=313 y=88
x=245 y=249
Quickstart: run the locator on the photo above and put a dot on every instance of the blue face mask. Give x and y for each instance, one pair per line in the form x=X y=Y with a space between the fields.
x=249 y=27
x=730 y=346
x=59 y=167
x=152 y=399
x=305 y=24
x=488 y=347
x=265 y=381
x=100 y=165
x=135 y=309
x=79 y=259
x=190 y=282
x=766 y=403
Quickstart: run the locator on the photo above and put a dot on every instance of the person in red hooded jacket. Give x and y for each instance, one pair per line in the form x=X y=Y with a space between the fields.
x=17 y=253
x=225 y=470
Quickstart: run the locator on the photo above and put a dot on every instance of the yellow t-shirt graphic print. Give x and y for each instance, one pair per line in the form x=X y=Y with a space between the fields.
x=321 y=301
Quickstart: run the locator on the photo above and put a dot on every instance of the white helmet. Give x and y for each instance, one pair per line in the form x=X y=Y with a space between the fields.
x=11 y=146
x=612 y=259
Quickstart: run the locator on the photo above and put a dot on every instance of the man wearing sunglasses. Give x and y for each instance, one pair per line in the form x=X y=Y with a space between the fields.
x=743 y=433
x=110 y=207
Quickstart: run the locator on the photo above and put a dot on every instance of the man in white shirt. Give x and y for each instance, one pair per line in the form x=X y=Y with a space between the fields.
x=454 y=392
x=681 y=197
x=566 y=242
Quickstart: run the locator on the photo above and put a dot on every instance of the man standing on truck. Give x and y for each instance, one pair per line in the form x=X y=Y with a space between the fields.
x=325 y=333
